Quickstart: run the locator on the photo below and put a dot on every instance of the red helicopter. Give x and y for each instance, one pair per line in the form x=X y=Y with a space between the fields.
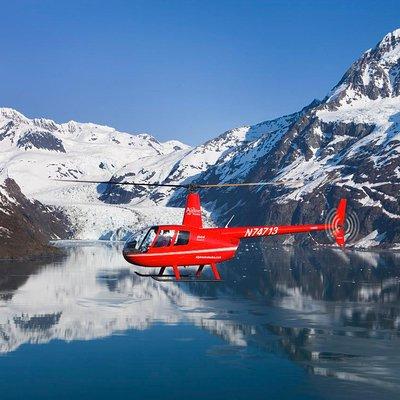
x=190 y=244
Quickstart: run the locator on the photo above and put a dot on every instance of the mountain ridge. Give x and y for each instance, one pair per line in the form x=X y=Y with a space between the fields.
x=346 y=145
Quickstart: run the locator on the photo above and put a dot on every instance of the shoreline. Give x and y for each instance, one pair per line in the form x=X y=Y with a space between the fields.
x=57 y=252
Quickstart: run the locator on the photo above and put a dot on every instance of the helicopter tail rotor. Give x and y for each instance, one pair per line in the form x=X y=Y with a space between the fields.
x=344 y=226
x=339 y=230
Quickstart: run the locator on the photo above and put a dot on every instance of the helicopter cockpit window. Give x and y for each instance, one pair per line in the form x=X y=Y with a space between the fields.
x=140 y=241
x=182 y=238
x=148 y=240
x=133 y=242
x=164 y=238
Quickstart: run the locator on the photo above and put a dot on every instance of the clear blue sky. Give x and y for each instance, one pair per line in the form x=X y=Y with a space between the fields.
x=180 y=69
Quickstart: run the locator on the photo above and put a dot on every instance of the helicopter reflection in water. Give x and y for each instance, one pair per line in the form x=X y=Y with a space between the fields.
x=336 y=313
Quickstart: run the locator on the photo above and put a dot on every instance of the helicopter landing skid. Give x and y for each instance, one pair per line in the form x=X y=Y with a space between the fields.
x=190 y=278
x=178 y=277
x=158 y=275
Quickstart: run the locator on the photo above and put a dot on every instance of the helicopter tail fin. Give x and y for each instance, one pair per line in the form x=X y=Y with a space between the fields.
x=192 y=216
x=339 y=223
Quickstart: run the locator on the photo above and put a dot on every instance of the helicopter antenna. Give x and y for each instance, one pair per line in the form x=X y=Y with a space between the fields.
x=230 y=220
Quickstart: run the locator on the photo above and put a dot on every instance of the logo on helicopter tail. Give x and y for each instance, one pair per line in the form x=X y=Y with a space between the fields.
x=193 y=211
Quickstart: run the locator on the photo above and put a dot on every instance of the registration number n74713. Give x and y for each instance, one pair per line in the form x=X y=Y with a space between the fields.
x=263 y=231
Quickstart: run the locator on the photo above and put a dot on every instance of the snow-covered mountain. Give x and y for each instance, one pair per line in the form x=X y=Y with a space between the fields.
x=346 y=145
x=35 y=152
x=190 y=166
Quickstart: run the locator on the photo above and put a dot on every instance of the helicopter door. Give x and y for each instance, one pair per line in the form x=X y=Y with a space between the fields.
x=164 y=238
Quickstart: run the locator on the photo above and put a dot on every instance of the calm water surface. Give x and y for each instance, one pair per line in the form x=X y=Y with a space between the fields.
x=285 y=324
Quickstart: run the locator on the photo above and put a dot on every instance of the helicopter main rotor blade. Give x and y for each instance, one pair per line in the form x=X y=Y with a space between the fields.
x=217 y=185
x=123 y=183
x=190 y=186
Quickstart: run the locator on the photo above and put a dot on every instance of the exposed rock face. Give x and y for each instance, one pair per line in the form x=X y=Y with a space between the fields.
x=40 y=140
x=189 y=166
x=27 y=226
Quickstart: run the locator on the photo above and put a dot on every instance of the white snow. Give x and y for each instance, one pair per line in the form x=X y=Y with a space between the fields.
x=371 y=240
x=92 y=152
x=363 y=111
x=96 y=152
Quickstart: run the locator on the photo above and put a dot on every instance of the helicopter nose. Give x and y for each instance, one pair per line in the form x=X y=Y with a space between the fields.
x=129 y=255
x=130 y=249
x=126 y=255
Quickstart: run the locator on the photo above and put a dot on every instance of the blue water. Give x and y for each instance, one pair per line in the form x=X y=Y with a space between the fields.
x=165 y=361
x=285 y=324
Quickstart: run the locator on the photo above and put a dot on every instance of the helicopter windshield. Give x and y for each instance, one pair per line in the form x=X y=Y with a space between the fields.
x=148 y=239
x=140 y=241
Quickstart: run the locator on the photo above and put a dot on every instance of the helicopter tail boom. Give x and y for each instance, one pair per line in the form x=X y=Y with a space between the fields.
x=336 y=227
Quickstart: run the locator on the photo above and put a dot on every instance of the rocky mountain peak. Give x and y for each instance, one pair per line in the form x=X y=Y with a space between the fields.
x=375 y=75
x=390 y=41
x=16 y=130
x=11 y=114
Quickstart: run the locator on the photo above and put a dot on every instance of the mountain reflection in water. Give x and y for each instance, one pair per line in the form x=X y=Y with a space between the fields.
x=335 y=313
